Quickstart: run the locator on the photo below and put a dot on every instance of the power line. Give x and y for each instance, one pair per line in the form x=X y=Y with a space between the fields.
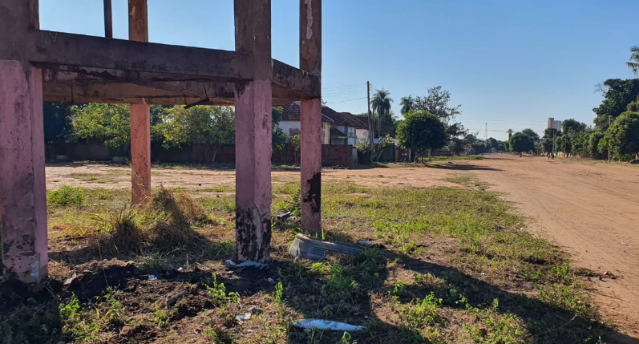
x=344 y=101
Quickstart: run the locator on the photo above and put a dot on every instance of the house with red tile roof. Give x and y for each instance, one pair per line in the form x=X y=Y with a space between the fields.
x=339 y=128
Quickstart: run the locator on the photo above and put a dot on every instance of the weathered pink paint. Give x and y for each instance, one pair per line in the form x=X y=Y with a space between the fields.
x=140 y=153
x=311 y=116
x=311 y=164
x=140 y=115
x=253 y=112
x=23 y=212
x=253 y=106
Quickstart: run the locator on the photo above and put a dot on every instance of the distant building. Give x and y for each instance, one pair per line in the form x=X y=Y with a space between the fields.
x=339 y=128
x=554 y=124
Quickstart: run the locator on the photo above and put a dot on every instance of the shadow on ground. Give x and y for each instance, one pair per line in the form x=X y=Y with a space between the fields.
x=304 y=292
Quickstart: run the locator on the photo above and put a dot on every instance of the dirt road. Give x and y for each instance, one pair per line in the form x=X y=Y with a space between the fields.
x=591 y=209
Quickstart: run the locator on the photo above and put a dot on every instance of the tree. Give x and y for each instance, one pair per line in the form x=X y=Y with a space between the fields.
x=634 y=59
x=57 y=122
x=510 y=133
x=547 y=142
x=572 y=127
x=521 y=142
x=531 y=133
x=105 y=123
x=491 y=143
x=212 y=126
x=580 y=144
x=381 y=104
x=436 y=103
x=407 y=104
x=563 y=143
x=593 y=145
x=623 y=136
x=421 y=131
x=279 y=137
x=617 y=95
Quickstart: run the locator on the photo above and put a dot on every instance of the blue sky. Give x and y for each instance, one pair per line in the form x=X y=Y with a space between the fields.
x=509 y=63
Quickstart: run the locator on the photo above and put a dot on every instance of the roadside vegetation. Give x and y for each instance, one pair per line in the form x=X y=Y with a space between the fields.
x=445 y=265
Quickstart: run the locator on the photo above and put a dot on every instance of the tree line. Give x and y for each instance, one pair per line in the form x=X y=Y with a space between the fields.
x=171 y=126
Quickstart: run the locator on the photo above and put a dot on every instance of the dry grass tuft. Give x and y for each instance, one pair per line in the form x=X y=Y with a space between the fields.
x=176 y=212
x=120 y=231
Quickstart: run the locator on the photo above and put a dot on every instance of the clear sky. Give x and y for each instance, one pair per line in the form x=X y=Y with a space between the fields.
x=509 y=63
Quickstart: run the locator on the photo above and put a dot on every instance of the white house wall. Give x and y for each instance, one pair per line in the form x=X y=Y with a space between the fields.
x=287 y=126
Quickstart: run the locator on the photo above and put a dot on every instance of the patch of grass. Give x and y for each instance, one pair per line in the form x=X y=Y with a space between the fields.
x=119 y=231
x=455 y=157
x=219 y=188
x=66 y=196
x=462 y=179
x=87 y=177
x=286 y=168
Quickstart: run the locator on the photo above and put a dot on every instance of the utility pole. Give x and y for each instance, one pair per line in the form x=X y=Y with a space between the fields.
x=608 y=145
x=486 y=133
x=371 y=125
x=553 y=142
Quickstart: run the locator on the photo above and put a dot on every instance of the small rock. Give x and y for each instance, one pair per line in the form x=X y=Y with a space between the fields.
x=32 y=301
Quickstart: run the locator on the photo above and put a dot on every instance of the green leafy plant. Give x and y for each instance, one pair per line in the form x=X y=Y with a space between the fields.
x=66 y=196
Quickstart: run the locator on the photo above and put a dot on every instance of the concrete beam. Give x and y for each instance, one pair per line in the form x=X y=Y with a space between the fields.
x=23 y=209
x=311 y=117
x=253 y=132
x=49 y=49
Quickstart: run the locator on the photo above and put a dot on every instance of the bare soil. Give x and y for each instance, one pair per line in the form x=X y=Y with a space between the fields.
x=587 y=207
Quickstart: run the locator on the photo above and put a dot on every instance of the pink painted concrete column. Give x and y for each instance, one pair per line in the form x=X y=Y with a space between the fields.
x=253 y=111
x=253 y=170
x=23 y=208
x=311 y=164
x=140 y=115
x=311 y=116
x=140 y=153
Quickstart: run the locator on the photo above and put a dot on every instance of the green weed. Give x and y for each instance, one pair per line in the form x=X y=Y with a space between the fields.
x=66 y=196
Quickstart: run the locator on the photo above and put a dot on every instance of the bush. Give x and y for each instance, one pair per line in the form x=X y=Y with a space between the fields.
x=66 y=196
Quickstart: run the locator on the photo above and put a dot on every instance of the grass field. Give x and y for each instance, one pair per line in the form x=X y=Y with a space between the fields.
x=447 y=265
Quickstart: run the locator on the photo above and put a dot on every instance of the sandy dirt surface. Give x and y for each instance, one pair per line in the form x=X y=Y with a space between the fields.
x=591 y=209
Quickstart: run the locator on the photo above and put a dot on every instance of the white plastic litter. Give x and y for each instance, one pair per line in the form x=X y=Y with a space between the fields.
x=250 y=263
x=321 y=324
x=244 y=264
x=70 y=279
x=271 y=281
x=243 y=317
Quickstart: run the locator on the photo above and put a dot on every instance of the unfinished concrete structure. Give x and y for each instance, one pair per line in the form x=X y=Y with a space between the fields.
x=38 y=65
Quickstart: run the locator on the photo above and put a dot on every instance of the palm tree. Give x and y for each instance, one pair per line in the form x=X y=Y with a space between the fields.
x=407 y=104
x=634 y=59
x=510 y=133
x=381 y=105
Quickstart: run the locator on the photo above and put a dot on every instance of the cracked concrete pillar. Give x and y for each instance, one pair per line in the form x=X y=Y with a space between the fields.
x=311 y=117
x=140 y=115
x=253 y=130
x=23 y=208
